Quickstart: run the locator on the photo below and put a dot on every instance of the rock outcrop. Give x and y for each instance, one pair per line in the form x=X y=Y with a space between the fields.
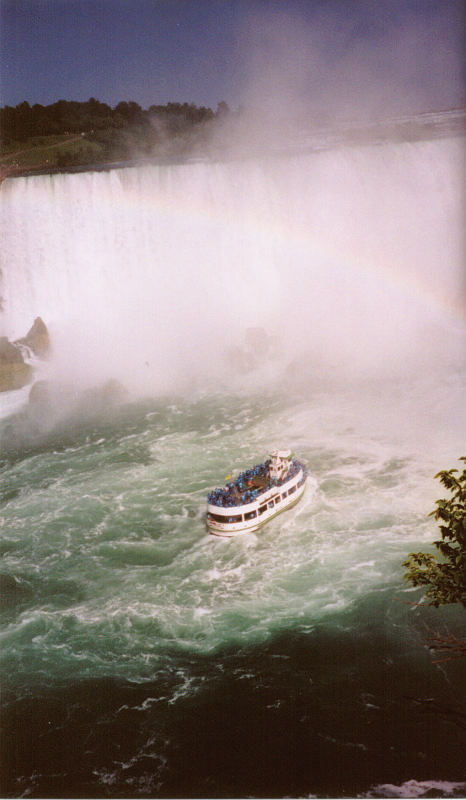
x=240 y=360
x=14 y=372
x=100 y=398
x=257 y=342
x=37 y=339
x=258 y=348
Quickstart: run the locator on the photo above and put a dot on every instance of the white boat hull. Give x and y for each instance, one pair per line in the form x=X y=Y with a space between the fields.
x=236 y=520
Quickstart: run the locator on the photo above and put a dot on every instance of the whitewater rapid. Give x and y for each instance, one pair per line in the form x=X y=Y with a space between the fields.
x=104 y=528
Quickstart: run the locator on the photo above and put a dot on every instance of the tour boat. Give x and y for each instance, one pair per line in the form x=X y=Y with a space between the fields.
x=257 y=495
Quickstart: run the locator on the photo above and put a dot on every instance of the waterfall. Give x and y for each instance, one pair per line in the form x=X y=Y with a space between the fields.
x=354 y=253
x=125 y=625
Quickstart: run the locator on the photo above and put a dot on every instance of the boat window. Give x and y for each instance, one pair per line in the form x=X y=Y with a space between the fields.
x=284 y=495
x=270 y=504
x=250 y=515
x=221 y=518
x=262 y=509
x=293 y=489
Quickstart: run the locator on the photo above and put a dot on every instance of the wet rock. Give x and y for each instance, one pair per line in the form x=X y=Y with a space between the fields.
x=46 y=397
x=14 y=372
x=240 y=360
x=257 y=341
x=37 y=339
x=258 y=347
x=100 y=398
x=40 y=393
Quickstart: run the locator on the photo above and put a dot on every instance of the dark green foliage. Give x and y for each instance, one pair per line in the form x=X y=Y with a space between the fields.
x=124 y=132
x=445 y=576
x=23 y=121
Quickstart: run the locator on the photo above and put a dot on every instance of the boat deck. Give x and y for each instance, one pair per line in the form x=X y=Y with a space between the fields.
x=250 y=485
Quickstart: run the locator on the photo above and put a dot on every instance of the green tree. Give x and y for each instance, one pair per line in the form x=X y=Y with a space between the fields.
x=223 y=109
x=131 y=112
x=445 y=576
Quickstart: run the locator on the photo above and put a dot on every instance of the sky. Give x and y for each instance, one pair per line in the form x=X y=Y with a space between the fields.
x=383 y=56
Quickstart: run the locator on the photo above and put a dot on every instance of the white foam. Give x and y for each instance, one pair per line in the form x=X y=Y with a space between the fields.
x=415 y=788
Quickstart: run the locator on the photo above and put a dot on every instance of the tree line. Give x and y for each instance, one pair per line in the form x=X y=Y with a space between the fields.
x=107 y=133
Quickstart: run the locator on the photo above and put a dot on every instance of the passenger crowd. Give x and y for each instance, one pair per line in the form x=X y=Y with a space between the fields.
x=243 y=490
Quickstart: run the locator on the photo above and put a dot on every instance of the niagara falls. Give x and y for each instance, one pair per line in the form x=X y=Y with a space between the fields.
x=242 y=267
x=189 y=662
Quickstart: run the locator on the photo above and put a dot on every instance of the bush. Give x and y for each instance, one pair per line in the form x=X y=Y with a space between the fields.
x=445 y=576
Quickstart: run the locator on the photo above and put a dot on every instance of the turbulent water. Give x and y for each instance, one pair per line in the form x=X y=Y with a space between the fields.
x=141 y=656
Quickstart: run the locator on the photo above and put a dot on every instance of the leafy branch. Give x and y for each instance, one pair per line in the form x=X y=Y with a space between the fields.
x=444 y=576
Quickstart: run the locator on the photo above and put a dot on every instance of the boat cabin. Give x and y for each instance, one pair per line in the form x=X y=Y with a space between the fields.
x=280 y=463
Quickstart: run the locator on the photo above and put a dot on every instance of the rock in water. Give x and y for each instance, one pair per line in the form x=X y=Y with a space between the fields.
x=14 y=372
x=256 y=349
x=257 y=341
x=40 y=395
x=37 y=339
x=240 y=360
x=100 y=399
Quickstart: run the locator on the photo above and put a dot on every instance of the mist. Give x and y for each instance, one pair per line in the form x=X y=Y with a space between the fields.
x=337 y=63
x=353 y=255
x=350 y=253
